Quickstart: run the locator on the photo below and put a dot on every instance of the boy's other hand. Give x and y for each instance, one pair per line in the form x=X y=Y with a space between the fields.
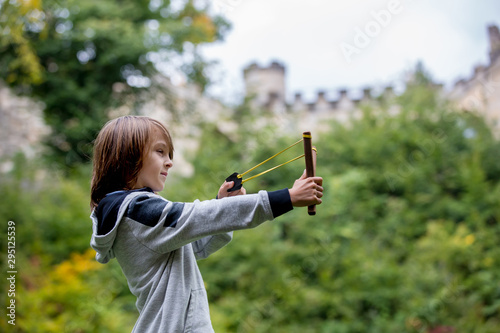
x=223 y=193
x=306 y=191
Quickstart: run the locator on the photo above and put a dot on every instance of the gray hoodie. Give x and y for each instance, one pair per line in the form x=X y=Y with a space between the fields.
x=157 y=243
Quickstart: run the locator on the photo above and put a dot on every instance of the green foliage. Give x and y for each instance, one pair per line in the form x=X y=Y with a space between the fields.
x=83 y=58
x=406 y=239
x=70 y=297
x=50 y=211
x=15 y=16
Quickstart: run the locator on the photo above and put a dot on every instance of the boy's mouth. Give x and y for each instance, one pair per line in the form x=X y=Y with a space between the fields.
x=164 y=174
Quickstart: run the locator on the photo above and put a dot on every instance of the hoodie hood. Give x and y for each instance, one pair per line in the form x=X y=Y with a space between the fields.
x=102 y=244
x=106 y=219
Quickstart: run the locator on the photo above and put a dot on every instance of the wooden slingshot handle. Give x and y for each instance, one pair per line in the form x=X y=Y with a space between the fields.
x=310 y=157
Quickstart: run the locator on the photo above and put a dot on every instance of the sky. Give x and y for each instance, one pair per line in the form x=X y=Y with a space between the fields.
x=332 y=45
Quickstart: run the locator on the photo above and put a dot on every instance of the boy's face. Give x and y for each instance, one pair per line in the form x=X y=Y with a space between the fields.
x=155 y=166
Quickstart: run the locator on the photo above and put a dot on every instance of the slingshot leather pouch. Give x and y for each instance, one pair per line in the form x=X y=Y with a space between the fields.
x=237 y=182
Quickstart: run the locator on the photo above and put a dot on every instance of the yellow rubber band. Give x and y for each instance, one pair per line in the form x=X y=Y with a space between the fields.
x=270 y=158
x=268 y=170
x=307 y=136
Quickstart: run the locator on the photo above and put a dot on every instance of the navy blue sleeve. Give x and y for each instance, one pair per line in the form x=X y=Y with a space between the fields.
x=148 y=210
x=107 y=211
x=281 y=202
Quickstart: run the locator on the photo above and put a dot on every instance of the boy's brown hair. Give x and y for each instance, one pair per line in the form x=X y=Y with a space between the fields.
x=119 y=151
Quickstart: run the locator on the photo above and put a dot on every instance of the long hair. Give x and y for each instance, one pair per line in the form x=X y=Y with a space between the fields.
x=119 y=151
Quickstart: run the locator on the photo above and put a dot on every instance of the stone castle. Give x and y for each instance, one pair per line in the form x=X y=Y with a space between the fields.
x=22 y=126
x=480 y=92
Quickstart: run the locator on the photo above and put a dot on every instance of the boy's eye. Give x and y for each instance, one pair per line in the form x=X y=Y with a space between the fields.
x=160 y=151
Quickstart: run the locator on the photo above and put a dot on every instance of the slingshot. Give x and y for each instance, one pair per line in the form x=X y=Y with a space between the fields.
x=310 y=159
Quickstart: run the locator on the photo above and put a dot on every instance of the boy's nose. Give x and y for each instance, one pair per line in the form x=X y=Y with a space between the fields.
x=169 y=163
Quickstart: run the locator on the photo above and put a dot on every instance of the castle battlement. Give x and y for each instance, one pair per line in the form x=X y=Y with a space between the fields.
x=494 y=35
x=267 y=85
x=481 y=92
x=22 y=126
x=482 y=71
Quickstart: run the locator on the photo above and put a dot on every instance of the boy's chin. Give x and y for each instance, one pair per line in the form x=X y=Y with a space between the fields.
x=157 y=189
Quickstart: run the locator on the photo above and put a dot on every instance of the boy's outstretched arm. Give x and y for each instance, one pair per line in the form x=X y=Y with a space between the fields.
x=208 y=245
x=306 y=191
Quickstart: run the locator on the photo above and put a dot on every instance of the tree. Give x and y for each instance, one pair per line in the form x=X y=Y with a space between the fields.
x=82 y=59
x=15 y=16
x=405 y=240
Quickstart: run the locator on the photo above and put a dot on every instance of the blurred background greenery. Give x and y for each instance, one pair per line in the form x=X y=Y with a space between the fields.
x=407 y=239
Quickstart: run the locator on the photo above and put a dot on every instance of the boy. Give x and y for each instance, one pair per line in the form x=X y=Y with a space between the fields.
x=156 y=241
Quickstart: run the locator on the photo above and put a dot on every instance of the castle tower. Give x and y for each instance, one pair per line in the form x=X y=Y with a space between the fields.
x=267 y=84
x=494 y=35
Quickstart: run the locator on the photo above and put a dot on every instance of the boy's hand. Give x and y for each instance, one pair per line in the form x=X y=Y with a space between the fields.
x=306 y=191
x=223 y=193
